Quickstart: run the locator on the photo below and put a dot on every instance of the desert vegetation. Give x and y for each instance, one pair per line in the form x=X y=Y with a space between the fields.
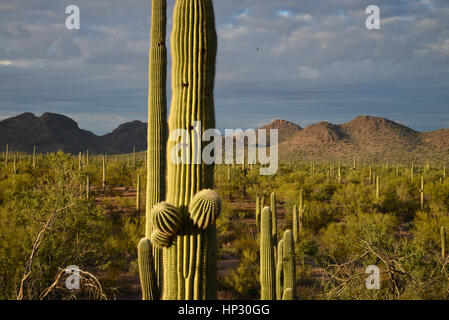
x=341 y=218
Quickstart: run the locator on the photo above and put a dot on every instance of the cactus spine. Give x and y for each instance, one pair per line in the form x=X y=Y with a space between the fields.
x=190 y=263
x=267 y=266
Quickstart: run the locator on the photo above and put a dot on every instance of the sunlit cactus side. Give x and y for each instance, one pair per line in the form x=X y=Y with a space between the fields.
x=289 y=262
x=80 y=159
x=280 y=271
x=339 y=173
x=377 y=187
x=301 y=211
x=421 y=191
x=166 y=218
x=34 y=158
x=288 y=294
x=87 y=187
x=190 y=263
x=443 y=242
x=267 y=261
x=412 y=172
x=204 y=208
x=258 y=212
x=295 y=223
x=146 y=270
x=14 y=167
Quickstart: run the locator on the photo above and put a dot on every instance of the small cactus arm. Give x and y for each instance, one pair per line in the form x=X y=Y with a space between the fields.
x=146 y=270
x=280 y=271
x=289 y=262
x=288 y=294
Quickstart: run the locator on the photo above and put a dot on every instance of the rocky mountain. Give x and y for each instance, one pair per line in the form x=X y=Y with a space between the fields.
x=52 y=132
x=369 y=138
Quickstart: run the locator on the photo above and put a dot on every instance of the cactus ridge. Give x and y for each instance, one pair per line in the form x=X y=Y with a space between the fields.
x=166 y=218
x=205 y=208
x=146 y=270
x=161 y=240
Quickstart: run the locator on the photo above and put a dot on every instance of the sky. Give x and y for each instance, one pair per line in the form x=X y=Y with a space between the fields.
x=304 y=61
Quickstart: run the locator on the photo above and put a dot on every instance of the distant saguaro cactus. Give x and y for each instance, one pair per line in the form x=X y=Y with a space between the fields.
x=267 y=261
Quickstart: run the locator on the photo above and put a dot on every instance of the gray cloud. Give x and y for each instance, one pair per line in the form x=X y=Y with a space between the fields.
x=304 y=61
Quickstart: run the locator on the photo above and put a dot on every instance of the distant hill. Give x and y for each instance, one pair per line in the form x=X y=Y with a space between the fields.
x=369 y=138
x=52 y=132
x=366 y=137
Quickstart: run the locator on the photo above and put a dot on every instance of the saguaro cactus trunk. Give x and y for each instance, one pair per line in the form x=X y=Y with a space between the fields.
x=190 y=262
x=267 y=260
x=156 y=142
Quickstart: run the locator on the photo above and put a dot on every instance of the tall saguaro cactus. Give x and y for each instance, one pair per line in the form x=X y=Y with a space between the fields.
x=190 y=262
x=156 y=143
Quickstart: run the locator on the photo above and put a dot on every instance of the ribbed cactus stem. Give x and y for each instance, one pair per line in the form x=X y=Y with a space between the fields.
x=191 y=267
x=87 y=187
x=288 y=294
x=80 y=159
x=87 y=157
x=377 y=187
x=157 y=125
x=295 y=223
x=412 y=172
x=258 y=211
x=267 y=261
x=280 y=271
x=34 y=158
x=443 y=242
x=146 y=270
x=289 y=261
x=422 y=193
x=274 y=229
x=301 y=211
x=339 y=173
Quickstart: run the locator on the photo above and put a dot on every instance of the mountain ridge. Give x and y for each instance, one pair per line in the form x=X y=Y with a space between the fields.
x=367 y=137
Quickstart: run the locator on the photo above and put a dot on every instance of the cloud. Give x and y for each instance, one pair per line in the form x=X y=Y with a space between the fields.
x=293 y=59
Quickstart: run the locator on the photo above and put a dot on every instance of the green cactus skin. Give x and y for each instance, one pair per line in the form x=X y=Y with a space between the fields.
x=166 y=218
x=377 y=187
x=267 y=261
x=289 y=261
x=301 y=211
x=146 y=270
x=295 y=223
x=14 y=167
x=80 y=158
x=339 y=173
x=190 y=264
x=160 y=239
x=288 y=294
x=258 y=213
x=87 y=187
x=274 y=223
x=280 y=271
x=204 y=208
x=443 y=242
x=157 y=126
x=87 y=157
x=34 y=158
x=412 y=172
